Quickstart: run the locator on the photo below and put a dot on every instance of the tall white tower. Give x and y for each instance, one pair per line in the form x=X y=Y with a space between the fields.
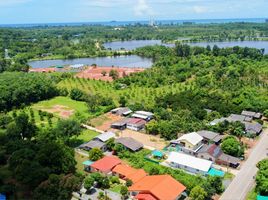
x=6 y=54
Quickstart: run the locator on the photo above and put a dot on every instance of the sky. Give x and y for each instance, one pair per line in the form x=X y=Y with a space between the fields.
x=55 y=11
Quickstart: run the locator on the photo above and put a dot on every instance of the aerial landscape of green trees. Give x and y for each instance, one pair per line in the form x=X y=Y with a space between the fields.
x=37 y=162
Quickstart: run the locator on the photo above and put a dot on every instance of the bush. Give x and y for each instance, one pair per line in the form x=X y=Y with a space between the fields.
x=95 y=154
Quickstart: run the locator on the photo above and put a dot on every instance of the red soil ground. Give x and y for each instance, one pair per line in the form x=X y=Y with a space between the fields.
x=96 y=72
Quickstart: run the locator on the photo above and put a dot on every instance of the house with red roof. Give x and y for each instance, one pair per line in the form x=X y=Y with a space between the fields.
x=158 y=187
x=105 y=165
x=126 y=172
x=136 y=124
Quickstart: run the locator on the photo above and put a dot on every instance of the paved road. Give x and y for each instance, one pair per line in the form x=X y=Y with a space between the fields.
x=244 y=181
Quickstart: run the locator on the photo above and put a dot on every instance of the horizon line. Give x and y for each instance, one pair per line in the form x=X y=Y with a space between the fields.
x=142 y=20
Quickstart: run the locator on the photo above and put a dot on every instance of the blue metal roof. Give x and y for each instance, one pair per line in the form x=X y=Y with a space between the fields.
x=88 y=162
x=259 y=197
x=215 y=172
x=157 y=153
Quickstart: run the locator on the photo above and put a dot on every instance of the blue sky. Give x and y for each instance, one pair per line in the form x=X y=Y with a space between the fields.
x=44 y=11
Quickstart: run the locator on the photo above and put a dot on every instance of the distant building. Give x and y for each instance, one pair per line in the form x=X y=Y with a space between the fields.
x=136 y=124
x=253 y=128
x=120 y=125
x=143 y=115
x=189 y=163
x=121 y=111
x=253 y=115
x=6 y=54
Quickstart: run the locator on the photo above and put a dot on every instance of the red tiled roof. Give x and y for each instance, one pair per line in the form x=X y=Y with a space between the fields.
x=145 y=197
x=106 y=164
x=163 y=187
x=130 y=173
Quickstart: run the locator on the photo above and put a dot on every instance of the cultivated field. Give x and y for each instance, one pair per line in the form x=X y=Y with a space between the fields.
x=134 y=94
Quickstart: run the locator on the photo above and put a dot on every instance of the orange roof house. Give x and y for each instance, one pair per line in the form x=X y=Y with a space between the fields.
x=106 y=164
x=159 y=187
x=127 y=172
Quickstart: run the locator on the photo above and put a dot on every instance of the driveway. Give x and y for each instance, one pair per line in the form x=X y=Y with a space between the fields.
x=95 y=193
x=244 y=181
x=149 y=141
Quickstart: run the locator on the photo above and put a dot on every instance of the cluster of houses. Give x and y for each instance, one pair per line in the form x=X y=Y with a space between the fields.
x=100 y=142
x=135 y=122
x=144 y=186
x=197 y=151
x=246 y=117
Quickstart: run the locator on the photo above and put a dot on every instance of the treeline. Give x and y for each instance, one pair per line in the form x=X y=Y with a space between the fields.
x=37 y=163
x=223 y=80
x=20 y=89
x=262 y=178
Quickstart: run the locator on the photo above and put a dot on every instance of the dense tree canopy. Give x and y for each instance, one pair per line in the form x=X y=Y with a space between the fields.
x=18 y=89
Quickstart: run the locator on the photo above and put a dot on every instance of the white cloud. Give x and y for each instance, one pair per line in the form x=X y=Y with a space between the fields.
x=142 y=8
x=12 y=2
x=200 y=9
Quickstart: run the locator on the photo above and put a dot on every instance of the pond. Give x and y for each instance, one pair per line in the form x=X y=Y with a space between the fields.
x=131 y=61
x=133 y=44
x=252 y=44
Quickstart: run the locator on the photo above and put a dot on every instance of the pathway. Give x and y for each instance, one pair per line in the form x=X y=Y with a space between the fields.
x=244 y=181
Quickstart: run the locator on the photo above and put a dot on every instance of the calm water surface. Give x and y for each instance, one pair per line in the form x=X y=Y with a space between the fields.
x=133 y=44
x=132 y=61
x=252 y=44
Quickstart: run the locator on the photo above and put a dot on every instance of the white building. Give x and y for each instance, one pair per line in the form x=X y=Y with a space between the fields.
x=143 y=115
x=191 y=141
x=189 y=163
x=105 y=136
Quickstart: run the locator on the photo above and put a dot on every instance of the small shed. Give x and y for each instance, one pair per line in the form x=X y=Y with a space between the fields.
x=93 y=144
x=87 y=165
x=158 y=154
x=105 y=136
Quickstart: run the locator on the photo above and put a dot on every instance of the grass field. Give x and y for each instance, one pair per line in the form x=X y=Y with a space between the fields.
x=80 y=159
x=87 y=135
x=63 y=104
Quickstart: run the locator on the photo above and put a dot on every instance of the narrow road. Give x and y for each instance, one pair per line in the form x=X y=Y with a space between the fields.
x=244 y=181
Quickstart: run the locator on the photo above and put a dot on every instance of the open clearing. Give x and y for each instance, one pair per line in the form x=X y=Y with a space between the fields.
x=63 y=107
x=147 y=140
x=105 y=121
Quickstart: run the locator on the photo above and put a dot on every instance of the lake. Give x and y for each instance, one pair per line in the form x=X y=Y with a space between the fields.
x=132 y=61
x=133 y=44
x=252 y=44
